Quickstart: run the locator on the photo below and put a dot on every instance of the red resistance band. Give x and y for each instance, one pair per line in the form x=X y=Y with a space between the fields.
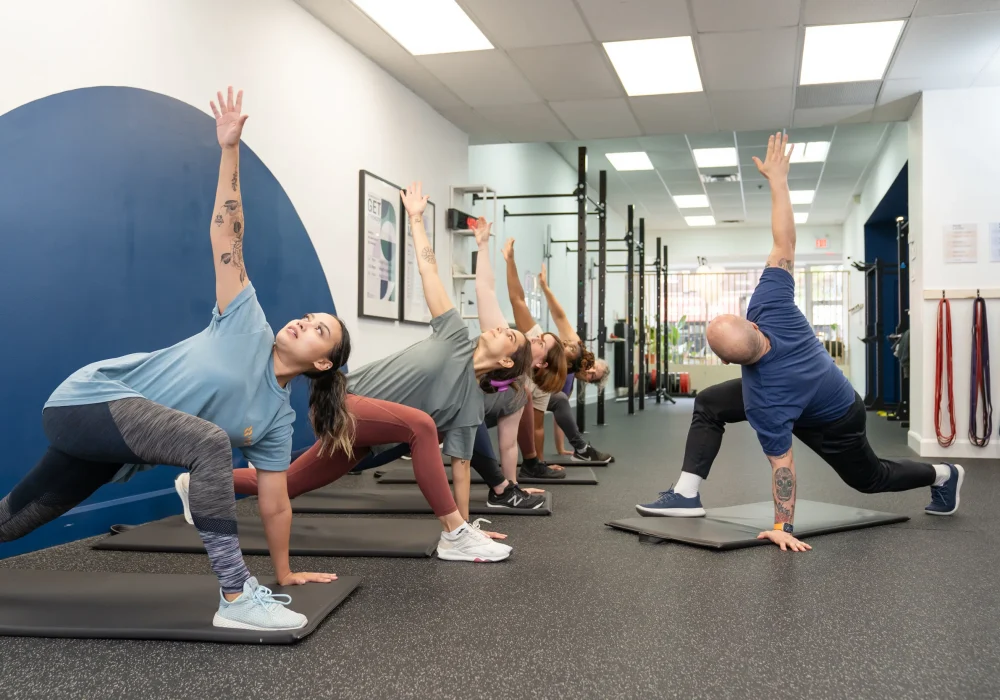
x=944 y=351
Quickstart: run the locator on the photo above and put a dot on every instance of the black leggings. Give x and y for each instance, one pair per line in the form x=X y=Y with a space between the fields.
x=842 y=444
x=88 y=446
x=563 y=415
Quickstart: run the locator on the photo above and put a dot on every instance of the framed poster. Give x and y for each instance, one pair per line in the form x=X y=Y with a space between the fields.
x=379 y=218
x=412 y=304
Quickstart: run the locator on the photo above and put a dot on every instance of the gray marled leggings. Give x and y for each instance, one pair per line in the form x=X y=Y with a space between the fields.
x=90 y=443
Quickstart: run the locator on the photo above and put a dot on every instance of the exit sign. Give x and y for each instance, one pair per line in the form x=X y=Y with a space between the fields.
x=821 y=243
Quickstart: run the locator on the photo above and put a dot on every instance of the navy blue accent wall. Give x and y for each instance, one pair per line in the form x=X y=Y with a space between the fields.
x=106 y=199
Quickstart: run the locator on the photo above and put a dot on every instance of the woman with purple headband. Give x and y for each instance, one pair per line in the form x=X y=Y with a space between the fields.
x=434 y=388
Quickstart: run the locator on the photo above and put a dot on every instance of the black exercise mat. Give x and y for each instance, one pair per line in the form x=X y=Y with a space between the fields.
x=332 y=537
x=177 y=607
x=404 y=475
x=568 y=461
x=403 y=501
x=735 y=527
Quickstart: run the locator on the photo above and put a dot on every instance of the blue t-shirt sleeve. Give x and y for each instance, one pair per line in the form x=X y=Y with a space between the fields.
x=243 y=315
x=774 y=432
x=273 y=452
x=776 y=287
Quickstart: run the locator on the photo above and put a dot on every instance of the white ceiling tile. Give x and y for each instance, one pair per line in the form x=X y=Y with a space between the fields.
x=954 y=7
x=481 y=78
x=819 y=12
x=833 y=115
x=473 y=123
x=622 y=20
x=687 y=179
x=722 y=189
x=752 y=109
x=692 y=186
x=571 y=72
x=741 y=15
x=518 y=23
x=896 y=111
x=937 y=47
x=597 y=118
x=620 y=145
x=845 y=169
x=667 y=161
x=662 y=114
x=673 y=143
x=718 y=140
x=805 y=171
x=748 y=60
x=422 y=82
x=524 y=123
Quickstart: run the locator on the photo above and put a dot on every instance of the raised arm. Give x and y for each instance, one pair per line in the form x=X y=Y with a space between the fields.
x=522 y=316
x=556 y=311
x=775 y=169
x=783 y=492
x=490 y=315
x=227 y=219
x=437 y=298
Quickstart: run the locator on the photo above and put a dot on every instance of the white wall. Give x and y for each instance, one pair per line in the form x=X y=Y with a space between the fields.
x=956 y=156
x=533 y=168
x=888 y=164
x=747 y=247
x=319 y=110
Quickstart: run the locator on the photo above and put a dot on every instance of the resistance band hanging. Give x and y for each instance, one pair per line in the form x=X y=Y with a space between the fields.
x=980 y=375
x=944 y=356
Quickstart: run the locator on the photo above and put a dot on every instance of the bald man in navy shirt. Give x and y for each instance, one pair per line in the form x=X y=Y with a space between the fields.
x=789 y=387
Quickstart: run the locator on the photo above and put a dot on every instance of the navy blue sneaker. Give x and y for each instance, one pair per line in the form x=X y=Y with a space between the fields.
x=672 y=504
x=944 y=498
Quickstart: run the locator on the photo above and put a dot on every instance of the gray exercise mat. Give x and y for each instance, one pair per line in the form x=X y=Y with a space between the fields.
x=404 y=475
x=568 y=461
x=177 y=607
x=396 y=501
x=333 y=537
x=735 y=527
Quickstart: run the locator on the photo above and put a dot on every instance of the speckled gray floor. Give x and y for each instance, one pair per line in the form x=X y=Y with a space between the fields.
x=582 y=611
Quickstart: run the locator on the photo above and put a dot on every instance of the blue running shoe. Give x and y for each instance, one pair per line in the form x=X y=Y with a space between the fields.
x=672 y=504
x=944 y=498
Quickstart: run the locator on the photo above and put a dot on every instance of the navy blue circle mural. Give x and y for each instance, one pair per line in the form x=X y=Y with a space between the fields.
x=105 y=205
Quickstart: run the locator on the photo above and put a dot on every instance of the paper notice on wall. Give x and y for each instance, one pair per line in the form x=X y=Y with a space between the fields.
x=961 y=243
x=995 y=242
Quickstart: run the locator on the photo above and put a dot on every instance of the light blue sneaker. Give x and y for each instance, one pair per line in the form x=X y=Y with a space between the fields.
x=672 y=504
x=258 y=609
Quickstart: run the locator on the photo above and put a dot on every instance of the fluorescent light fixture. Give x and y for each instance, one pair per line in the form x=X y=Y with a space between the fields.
x=801 y=218
x=426 y=27
x=691 y=201
x=637 y=160
x=812 y=152
x=802 y=196
x=844 y=53
x=700 y=220
x=655 y=66
x=715 y=157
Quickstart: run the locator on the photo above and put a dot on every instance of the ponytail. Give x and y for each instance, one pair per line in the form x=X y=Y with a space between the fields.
x=333 y=424
x=503 y=377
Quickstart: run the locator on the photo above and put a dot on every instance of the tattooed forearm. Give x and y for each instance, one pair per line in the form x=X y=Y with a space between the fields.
x=784 y=483
x=783 y=263
x=236 y=179
x=428 y=255
x=237 y=227
x=218 y=220
x=238 y=257
x=226 y=258
x=783 y=514
x=232 y=205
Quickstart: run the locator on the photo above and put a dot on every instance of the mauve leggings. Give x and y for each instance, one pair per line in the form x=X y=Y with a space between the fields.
x=377 y=423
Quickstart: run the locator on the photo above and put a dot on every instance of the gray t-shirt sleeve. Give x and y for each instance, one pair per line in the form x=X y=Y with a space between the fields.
x=458 y=442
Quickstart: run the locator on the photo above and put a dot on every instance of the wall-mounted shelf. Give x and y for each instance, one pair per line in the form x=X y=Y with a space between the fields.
x=463 y=277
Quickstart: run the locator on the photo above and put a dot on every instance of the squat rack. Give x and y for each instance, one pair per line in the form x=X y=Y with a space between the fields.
x=582 y=200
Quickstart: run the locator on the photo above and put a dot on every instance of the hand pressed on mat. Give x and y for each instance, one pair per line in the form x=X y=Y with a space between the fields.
x=784 y=540
x=298 y=579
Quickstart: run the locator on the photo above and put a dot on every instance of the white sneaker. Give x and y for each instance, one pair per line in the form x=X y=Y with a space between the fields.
x=471 y=545
x=258 y=609
x=182 y=485
x=475 y=524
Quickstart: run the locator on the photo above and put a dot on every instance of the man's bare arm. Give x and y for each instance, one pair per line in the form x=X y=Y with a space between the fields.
x=775 y=168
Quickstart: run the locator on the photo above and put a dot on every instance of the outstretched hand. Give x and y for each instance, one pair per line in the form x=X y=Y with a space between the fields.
x=508 y=249
x=542 y=279
x=776 y=163
x=784 y=540
x=481 y=227
x=228 y=119
x=414 y=200
x=298 y=579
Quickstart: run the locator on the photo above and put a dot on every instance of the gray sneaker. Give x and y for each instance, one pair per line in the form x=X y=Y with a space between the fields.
x=258 y=609
x=182 y=485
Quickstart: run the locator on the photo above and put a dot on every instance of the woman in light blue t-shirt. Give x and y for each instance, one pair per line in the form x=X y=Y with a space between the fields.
x=188 y=405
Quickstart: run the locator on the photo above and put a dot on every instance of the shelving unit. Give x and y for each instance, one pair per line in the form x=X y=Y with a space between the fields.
x=459 y=195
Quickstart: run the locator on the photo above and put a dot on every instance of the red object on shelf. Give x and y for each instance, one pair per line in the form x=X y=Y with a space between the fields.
x=685 y=383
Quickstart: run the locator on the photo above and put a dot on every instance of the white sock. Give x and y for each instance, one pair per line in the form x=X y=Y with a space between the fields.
x=943 y=474
x=688 y=484
x=453 y=535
